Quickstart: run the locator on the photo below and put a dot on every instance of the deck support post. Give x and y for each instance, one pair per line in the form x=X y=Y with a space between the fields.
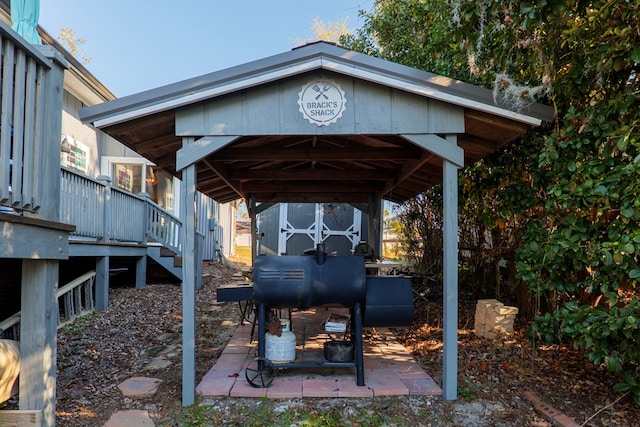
x=102 y=283
x=141 y=271
x=38 y=326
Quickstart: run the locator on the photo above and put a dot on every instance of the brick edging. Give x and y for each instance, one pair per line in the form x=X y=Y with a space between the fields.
x=552 y=415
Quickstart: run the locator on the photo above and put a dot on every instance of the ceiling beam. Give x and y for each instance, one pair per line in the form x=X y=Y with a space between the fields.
x=495 y=121
x=221 y=170
x=407 y=170
x=308 y=187
x=438 y=146
x=203 y=147
x=477 y=145
x=326 y=197
x=163 y=141
x=213 y=186
x=318 y=154
x=244 y=175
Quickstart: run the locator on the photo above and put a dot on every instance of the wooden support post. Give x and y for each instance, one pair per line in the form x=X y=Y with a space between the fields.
x=375 y=222
x=450 y=285
x=102 y=283
x=38 y=325
x=200 y=241
x=141 y=263
x=251 y=208
x=141 y=271
x=189 y=213
x=106 y=213
x=47 y=139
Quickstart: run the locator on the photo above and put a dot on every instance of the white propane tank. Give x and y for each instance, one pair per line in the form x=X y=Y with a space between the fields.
x=281 y=349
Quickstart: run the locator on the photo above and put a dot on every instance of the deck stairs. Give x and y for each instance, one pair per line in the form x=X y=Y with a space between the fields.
x=166 y=258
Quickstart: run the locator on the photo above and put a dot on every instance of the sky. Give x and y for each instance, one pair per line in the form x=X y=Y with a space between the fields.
x=136 y=45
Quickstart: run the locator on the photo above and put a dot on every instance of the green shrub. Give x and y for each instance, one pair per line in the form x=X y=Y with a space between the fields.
x=609 y=336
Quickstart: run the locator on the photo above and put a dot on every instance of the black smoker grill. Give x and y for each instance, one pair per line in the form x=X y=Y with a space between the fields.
x=315 y=280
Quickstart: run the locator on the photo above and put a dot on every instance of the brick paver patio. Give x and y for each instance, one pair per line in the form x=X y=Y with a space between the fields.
x=389 y=369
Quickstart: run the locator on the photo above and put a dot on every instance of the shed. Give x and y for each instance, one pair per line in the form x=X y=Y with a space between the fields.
x=319 y=123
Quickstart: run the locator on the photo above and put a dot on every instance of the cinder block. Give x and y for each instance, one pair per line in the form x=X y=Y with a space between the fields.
x=505 y=310
x=493 y=318
x=484 y=309
x=499 y=321
x=487 y=303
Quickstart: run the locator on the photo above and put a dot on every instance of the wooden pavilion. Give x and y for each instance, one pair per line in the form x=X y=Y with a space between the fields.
x=316 y=124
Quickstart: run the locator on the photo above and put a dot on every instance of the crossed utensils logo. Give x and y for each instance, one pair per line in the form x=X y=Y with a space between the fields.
x=321 y=92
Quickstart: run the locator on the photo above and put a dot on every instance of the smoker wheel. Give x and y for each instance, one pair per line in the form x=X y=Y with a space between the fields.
x=260 y=372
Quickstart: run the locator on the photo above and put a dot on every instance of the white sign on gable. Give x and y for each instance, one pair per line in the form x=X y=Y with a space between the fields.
x=322 y=102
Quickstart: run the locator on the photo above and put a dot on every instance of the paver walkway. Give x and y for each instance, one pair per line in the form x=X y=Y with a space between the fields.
x=389 y=369
x=135 y=387
x=131 y=418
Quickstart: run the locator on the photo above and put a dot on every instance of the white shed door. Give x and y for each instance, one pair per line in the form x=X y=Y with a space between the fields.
x=304 y=225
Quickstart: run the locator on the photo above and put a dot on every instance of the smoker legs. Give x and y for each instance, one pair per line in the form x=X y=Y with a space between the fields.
x=357 y=326
x=263 y=365
x=262 y=329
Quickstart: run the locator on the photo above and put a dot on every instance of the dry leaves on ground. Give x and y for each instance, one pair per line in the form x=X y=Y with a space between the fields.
x=97 y=353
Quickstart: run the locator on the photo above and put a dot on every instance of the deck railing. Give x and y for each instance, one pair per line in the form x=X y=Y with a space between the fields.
x=82 y=204
x=29 y=83
x=127 y=216
x=101 y=211
x=92 y=204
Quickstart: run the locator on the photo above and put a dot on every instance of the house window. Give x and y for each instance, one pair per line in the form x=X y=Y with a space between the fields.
x=138 y=175
x=127 y=177
x=159 y=185
x=75 y=155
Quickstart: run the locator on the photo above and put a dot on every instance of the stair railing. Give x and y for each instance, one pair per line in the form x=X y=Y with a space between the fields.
x=75 y=298
x=163 y=227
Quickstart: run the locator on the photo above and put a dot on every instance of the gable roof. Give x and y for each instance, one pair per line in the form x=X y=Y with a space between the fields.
x=343 y=167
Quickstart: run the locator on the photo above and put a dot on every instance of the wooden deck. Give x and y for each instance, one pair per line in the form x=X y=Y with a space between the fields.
x=30 y=127
x=50 y=215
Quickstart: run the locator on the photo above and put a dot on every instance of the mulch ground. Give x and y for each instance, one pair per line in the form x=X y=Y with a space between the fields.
x=97 y=353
